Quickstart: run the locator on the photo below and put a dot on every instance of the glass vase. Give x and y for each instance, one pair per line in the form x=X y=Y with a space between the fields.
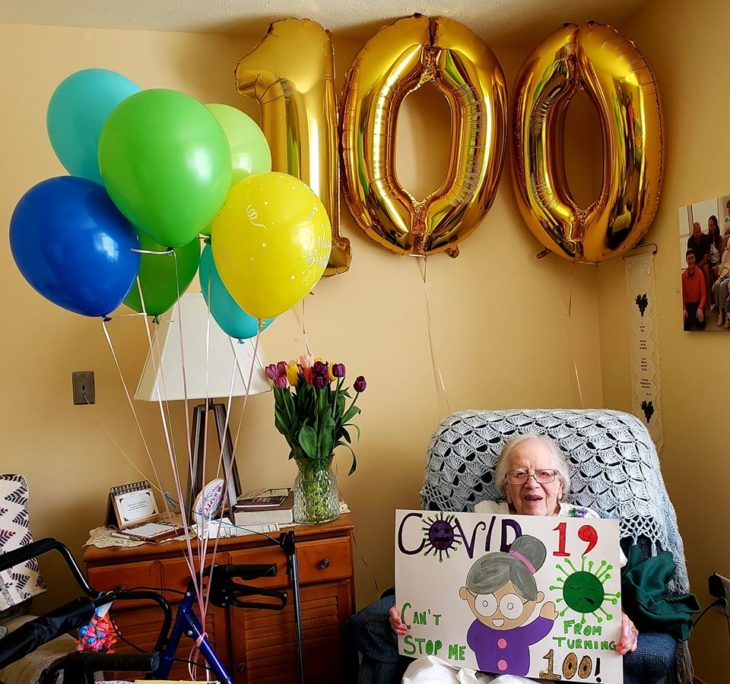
x=316 y=496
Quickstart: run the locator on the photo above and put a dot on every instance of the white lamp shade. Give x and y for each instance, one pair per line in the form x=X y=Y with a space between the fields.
x=208 y=372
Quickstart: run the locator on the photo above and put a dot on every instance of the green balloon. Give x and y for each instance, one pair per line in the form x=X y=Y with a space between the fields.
x=165 y=163
x=157 y=276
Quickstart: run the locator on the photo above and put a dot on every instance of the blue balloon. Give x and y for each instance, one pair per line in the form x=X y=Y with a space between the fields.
x=73 y=246
x=231 y=318
x=76 y=114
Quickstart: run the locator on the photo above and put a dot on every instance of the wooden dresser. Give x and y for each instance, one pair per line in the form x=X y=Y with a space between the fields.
x=255 y=645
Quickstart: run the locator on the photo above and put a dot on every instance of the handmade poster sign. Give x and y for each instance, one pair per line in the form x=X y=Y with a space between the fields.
x=532 y=596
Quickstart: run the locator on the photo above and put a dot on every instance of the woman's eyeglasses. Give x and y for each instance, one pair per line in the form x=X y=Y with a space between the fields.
x=519 y=477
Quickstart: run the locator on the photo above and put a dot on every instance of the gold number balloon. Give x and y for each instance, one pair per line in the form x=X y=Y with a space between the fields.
x=291 y=75
x=395 y=61
x=621 y=84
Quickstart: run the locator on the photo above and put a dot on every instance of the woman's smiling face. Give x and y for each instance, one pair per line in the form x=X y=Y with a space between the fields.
x=533 y=498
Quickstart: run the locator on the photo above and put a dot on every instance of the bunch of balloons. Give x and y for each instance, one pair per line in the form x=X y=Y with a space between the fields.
x=152 y=173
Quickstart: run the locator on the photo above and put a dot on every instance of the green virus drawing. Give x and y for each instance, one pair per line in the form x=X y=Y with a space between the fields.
x=583 y=589
x=440 y=536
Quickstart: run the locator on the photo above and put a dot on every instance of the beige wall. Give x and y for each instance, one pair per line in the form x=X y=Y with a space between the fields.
x=685 y=42
x=503 y=333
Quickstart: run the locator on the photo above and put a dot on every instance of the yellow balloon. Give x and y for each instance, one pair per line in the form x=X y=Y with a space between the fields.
x=271 y=241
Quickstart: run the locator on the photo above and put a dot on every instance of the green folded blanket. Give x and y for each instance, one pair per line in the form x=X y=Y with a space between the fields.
x=646 y=599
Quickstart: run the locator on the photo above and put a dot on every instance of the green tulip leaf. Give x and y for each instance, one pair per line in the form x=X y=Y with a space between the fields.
x=350 y=414
x=325 y=445
x=308 y=441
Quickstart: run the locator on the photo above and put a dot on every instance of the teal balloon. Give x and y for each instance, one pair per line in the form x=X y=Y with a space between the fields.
x=165 y=163
x=77 y=111
x=231 y=318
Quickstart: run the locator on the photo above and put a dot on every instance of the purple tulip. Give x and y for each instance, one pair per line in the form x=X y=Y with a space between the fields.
x=270 y=371
x=281 y=369
x=320 y=382
x=319 y=369
x=360 y=384
x=338 y=370
x=281 y=381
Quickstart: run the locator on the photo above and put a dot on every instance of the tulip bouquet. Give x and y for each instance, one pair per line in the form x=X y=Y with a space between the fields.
x=314 y=410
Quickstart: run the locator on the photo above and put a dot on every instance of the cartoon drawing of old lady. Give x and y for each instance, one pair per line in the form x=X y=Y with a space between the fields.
x=501 y=592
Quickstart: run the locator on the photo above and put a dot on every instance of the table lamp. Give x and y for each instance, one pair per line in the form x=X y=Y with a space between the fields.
x=162 y=378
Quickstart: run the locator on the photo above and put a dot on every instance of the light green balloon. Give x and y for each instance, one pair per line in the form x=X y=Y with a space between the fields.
x=250 y=152
x=165 y=162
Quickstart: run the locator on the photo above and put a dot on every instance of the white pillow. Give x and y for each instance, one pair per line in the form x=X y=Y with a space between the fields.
x=19 y=583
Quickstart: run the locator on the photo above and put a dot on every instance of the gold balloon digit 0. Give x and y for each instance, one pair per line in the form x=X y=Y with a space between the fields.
x=616 y=76
x=291 y=75
x=395 y=61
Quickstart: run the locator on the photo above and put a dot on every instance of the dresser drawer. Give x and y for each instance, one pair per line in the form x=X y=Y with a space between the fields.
x=319 y=561
x=128 y=575
x=328 y=559
x=176 y=573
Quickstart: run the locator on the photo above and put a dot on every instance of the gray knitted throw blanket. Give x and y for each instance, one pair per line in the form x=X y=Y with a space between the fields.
x=614 y=469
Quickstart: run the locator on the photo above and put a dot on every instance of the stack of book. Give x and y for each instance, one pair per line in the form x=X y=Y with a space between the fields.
x=273 y=507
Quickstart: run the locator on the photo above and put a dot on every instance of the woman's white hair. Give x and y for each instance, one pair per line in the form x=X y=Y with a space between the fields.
x=559 y=462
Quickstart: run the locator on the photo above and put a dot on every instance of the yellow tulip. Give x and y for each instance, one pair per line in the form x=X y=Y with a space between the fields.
x=292 y=373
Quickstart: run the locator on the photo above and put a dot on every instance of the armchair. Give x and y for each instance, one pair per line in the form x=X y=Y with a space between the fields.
x=614 y=470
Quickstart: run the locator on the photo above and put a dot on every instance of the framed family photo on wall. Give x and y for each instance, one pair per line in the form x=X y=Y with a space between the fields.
x=704 y=234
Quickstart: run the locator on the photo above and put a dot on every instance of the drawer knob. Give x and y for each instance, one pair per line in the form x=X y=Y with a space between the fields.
x=324 y=564
x=241 y=667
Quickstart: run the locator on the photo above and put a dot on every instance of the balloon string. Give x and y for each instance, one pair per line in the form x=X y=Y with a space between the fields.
x=228 y=479
x=129 y=400
x=131 y=314
x=146 y=322
x=438 y=376
x=144 y=441
x=229 y=473
x=189 y=558
x=203 y=543
x=207 y=517
x=153 y=251
x=570 y=336
x=156 y=356
x=184 y=373
x=188 y=433
x=158 y=484
x=300 y=320
x=247 y=384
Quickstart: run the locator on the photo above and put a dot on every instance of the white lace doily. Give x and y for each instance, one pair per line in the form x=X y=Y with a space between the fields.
x=104 y=537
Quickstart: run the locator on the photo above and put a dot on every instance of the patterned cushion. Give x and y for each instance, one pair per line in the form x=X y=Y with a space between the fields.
x=19 y=583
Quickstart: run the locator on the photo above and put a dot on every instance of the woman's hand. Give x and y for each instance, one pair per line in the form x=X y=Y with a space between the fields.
x=396 y=624
x=629 y=636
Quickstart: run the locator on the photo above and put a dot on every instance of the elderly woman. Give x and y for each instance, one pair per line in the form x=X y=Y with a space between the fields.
x=532 y=476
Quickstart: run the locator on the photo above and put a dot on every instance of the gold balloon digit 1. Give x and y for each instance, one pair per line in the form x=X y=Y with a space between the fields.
x=616 y=76
x=395 y=61
x=291 y=75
